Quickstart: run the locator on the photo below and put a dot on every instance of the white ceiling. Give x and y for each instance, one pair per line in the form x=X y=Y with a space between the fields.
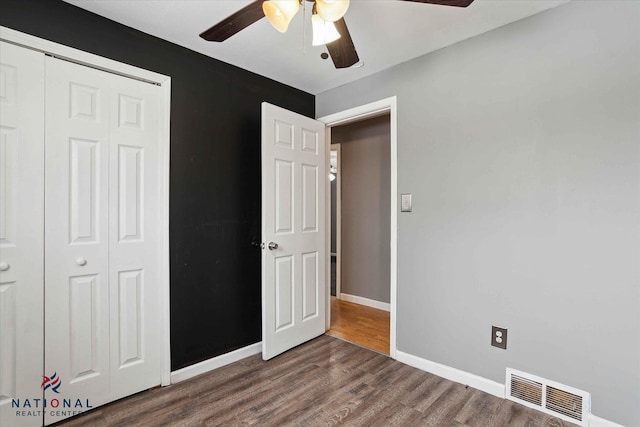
x=385 y=33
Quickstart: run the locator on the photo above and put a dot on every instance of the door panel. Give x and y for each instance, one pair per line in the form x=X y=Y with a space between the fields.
x=309 y=285
x=309 y=198
x=293 y=216
x=85 y=194
x=8 y=163
x=21 y=230
x=284 y=196
x=76 y=233
x=284 y=292
x=83 y=303
x=134 y=246
x=130 y=297
x=130 y=223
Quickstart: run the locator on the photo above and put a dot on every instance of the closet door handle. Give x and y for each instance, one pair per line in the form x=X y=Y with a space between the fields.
x=4 y=266
x=81 y=262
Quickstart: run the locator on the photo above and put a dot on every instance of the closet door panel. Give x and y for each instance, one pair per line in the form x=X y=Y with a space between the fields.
x=21 y=232
x=133 y=238
x=77 y=234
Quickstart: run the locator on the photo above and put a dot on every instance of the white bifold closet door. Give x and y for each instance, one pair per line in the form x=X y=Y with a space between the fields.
x=21 y=229
x=101 y=235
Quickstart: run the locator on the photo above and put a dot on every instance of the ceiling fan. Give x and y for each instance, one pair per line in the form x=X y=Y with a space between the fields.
x=329 y=27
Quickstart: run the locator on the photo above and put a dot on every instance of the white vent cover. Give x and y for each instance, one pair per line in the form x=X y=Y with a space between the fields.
x=555 y=399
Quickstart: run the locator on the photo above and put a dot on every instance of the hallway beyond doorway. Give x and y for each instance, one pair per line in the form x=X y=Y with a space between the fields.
x=366 y=326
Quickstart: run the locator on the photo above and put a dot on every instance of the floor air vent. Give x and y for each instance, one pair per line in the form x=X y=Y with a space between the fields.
x=525 y=389
x=555 y=399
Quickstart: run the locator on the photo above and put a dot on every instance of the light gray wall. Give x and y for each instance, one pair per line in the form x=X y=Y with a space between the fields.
x=366 y=191
x=522 y=149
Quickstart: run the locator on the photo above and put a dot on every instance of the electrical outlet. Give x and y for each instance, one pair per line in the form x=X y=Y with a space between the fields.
x=499 y=337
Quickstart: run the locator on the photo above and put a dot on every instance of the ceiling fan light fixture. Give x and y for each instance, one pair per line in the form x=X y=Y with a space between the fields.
x=280 y=13
x=332 y=10
x=323 y=31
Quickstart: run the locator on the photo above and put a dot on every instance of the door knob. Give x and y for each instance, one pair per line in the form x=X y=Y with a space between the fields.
x=272 y=246
x=81 y=262
x=4 y=266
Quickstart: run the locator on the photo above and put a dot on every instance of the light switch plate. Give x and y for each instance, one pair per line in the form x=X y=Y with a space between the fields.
x=405 y=202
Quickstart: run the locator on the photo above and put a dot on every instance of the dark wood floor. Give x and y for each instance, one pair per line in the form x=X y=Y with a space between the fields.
x=360 y=324
x=322 y=383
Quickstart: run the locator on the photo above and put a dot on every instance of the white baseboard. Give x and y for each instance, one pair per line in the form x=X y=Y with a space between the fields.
x=601 y=422
x=365 y=301
x=475 y=381
x=215 y=362
x=453 y=374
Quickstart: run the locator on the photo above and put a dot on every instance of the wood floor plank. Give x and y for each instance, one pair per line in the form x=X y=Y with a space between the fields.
x=481 y=410
x=326 y=382
x=360 y=324
x=424 y=393
x=445 y=408
x=378 y=406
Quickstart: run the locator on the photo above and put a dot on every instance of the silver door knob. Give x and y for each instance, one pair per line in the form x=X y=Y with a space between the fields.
x=4 y=266
x=81 y=262
x=272 y=246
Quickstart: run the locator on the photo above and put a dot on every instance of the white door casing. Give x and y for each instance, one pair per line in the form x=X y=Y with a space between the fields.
x=338 y=223
x=294 y=183
x=373 y=109
x=21 y=229
x=101 y=237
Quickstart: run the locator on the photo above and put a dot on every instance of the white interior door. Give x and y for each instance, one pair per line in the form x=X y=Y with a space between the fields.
x=294 y=258
x=76 y=234
x=134 y=236
x=21 y=230
x=101 y=235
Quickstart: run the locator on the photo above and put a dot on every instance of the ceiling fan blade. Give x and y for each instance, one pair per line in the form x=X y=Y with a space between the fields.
x=458 y=3
x=234 y=23
x=342 y=51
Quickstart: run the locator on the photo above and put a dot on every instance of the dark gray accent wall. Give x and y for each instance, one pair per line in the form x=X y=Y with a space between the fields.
x=365 y=167
x=522 y=150
x=215 y=187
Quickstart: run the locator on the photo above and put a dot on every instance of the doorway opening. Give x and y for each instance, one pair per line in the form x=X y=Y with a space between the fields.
x=382 y=107
x=360 y=188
